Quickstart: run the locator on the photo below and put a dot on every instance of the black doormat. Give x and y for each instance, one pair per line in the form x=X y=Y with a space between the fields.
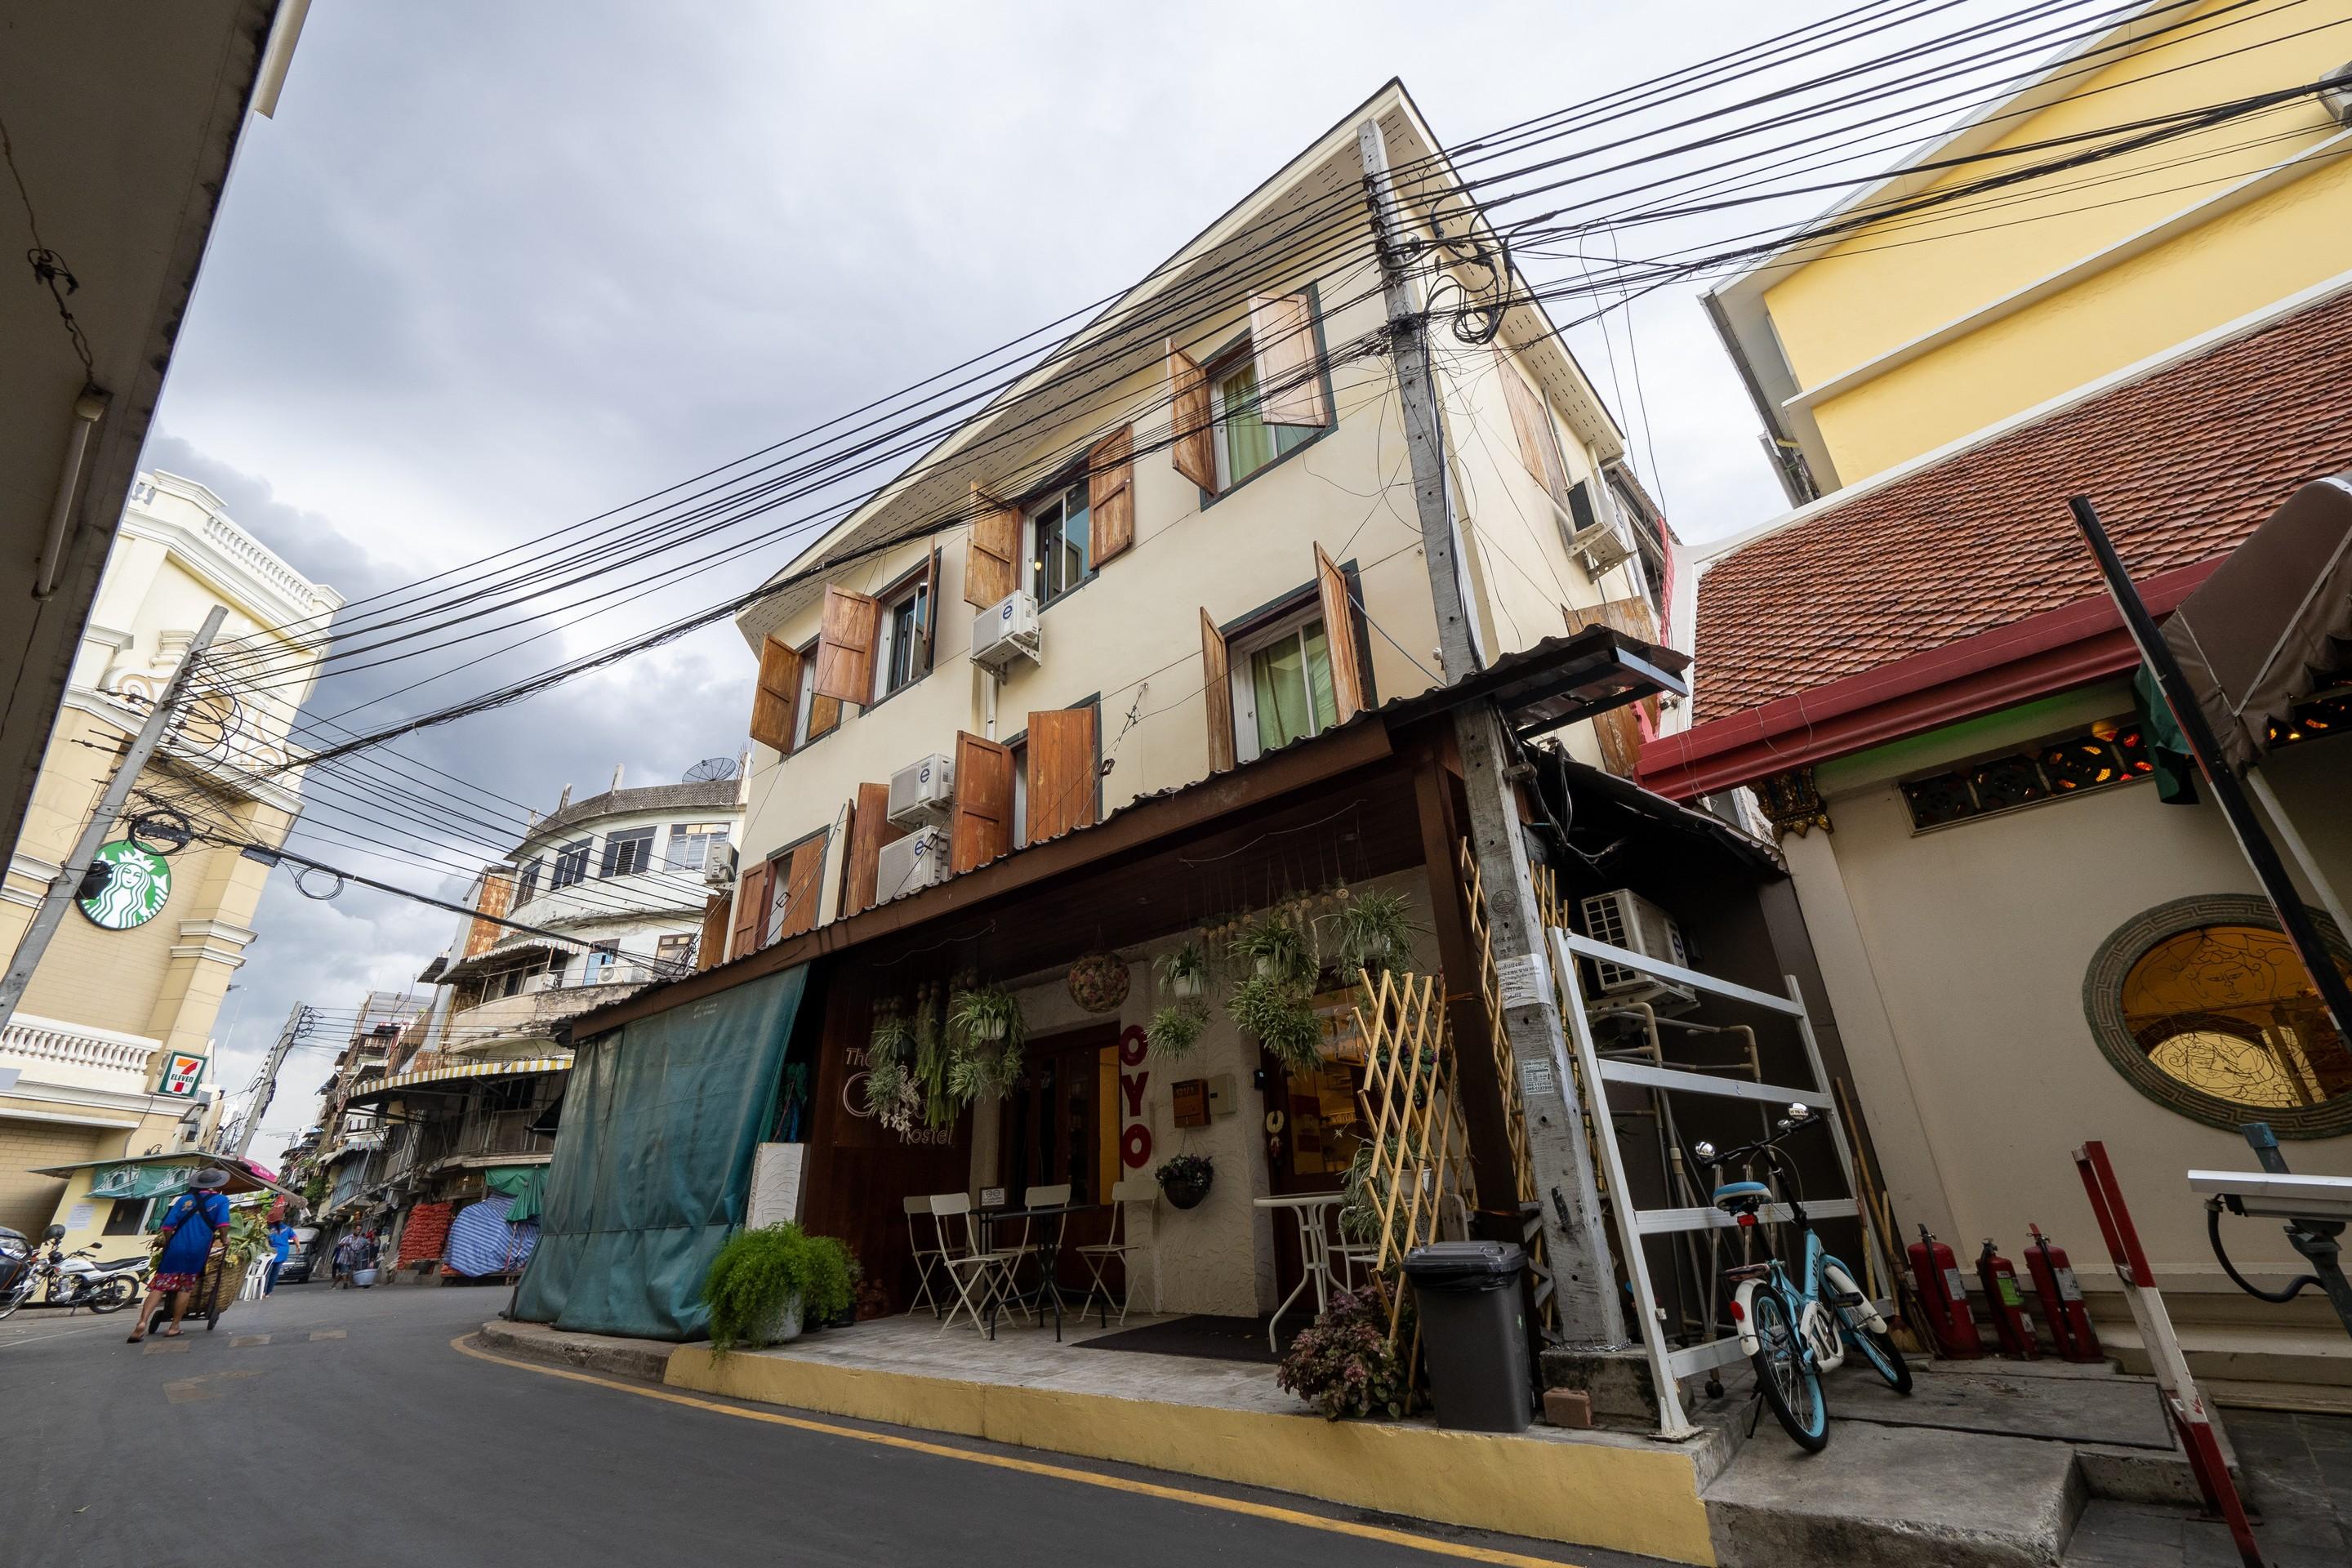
x=1203 y=1335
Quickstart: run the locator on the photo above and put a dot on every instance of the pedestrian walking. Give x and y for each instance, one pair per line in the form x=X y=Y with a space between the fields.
x=281 y=1247
x=347 y=1247
x=193 y=1227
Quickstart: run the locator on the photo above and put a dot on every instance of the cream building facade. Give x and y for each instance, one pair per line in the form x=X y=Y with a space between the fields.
x=110 y=1011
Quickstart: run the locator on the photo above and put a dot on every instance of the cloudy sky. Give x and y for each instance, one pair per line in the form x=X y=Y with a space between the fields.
x=496 y=269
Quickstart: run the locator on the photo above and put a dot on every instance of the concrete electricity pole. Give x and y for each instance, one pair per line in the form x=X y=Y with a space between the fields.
x=67 y=884
x=1575 y=1240
x=297 y=1021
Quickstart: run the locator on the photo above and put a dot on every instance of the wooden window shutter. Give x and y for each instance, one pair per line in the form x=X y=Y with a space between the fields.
x=712 y=948
x=1062 y=772
x=1217 y=688
x=750 y=908
x=931 y=609
x=803 y=873
x=989 y=555
x=1192 y=424
x=1111 y=493
x=1531 y=423
x=1289 y=378
x=496 y=897
x=1339 y=633
x=982 y=828
x=845 y=650
x=774 y=706
x=870 y=827
x=1619 y=730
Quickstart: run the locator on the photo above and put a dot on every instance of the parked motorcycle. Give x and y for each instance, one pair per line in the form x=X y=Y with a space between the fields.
x=16 y=1270
x=76 y=1279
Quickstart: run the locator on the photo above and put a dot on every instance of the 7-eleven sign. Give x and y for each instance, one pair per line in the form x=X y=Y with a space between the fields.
x=182 y=1073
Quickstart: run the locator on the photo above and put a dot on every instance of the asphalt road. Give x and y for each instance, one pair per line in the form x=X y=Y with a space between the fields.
x=356 y=1434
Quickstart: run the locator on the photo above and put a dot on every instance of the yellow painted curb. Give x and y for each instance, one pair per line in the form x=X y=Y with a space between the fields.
x=1584 y=1493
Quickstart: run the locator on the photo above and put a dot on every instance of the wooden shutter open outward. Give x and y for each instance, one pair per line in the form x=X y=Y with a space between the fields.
x=1192 y=430
x=1619 y=730
x=1531 y=425
x=1217 y=688
x=1110 y=494
x=989 y=555
x=804 y=885
x=982 y=828
x=750 y=908
x=870 y=828
x=775 y=704
x=711 y=949
x=845 y=650
x=1339 y=633
x=1289 y=379
x=931 y=609
x=1062 y=772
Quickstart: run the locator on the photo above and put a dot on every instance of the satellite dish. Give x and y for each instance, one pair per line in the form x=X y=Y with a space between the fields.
x=710 y=770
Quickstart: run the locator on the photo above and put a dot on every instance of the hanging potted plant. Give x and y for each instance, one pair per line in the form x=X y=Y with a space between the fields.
x=1375 y=934
x=1176 y=1028
x=893 y=1095
x=1185 y=1179
x=985 y=1034
x=1278 y=945
x=1281 y=1015
x=1183 y=970
x=1099 y=982
x=764 y=1284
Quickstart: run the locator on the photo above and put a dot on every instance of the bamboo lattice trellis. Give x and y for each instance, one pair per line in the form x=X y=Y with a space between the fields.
x=1490 y=990
x=1412 y=1121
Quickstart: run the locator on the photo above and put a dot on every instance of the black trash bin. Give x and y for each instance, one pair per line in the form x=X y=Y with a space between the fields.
x=1473 y=1335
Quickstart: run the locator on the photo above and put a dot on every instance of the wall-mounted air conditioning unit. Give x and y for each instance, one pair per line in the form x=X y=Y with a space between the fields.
x=719 y=865
x=911 y=864
x=1005 y=633
x=922 y=792
x=1608 y=540
x=1623 y=918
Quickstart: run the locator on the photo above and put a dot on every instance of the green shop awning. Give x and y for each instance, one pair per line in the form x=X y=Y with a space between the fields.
x=652 y=1170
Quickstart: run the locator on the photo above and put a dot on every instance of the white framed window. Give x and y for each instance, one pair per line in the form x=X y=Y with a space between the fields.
x=690 y=844
x=1245 y=442
x=1056 y=543
x=1283 y=689
x=627 y=853
x=676 y=952
x=808 y=724
x=570 y=865
x=903 y=629
x=528 y=888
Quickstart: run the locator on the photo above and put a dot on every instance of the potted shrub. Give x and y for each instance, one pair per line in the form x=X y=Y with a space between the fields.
x=1176 y=1028
x=1375 y=935
x=1343 y=1363
x=765 y=1283
x=1184 y=971
x=1099 y=982
x=1185 y=1179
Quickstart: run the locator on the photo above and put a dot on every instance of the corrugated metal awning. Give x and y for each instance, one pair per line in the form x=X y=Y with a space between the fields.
x=455 y=1078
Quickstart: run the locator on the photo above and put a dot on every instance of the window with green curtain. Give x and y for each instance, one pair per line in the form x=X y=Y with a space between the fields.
x=1249 y=443
x=1292 y=679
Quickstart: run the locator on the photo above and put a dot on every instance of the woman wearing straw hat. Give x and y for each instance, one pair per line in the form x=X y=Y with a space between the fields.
x=196 y=1224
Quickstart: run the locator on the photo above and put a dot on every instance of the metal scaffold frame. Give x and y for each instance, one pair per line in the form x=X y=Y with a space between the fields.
x=1669 y=1364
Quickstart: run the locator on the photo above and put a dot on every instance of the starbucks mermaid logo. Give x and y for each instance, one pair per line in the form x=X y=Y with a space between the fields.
x=135 y=892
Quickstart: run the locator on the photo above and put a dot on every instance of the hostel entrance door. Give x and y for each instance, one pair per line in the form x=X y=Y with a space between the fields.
x=1060 y=1123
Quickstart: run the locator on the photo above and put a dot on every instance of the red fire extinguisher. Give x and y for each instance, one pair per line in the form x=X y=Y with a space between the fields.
x=2061 y=1300
x=2006 y=1302
x=1944 y=1298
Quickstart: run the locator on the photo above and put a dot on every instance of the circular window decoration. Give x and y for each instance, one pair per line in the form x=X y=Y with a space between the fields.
x=2203 y=1005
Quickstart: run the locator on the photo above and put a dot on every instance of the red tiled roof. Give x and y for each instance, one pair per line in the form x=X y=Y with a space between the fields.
x=2181 y=464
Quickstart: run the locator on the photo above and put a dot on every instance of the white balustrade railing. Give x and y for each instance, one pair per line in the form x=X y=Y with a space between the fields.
x=51 y=1050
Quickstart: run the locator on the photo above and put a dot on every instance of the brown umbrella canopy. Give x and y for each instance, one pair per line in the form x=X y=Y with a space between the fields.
x=2272 y=624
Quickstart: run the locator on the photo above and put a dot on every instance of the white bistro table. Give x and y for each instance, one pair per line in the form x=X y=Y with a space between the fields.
x=1317 y=1255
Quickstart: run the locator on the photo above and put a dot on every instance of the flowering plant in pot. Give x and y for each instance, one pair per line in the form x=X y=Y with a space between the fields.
x=1099 y=982
x=1185 y=1179
x=1344 y=1362
x=765 y=1283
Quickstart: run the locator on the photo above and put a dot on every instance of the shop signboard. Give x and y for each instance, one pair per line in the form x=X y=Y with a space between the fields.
x=136 y=890
x=132 y=1182
x=182 y=1071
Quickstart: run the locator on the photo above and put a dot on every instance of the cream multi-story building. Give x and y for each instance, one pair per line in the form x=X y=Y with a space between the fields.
x=109 y=1053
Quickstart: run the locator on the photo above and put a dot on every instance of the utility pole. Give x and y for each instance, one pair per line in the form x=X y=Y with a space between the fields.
x=297 y=1021
x=67 y=884
x=1575 y=1240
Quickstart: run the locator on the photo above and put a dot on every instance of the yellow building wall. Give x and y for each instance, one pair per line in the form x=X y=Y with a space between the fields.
x=27 y=1201
x=1890 y=284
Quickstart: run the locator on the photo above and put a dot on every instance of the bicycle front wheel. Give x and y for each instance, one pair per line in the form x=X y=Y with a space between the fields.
x=1786 y=1376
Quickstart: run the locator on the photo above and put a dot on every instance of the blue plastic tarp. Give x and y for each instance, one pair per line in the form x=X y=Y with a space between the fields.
x=653 y=1167
x=483 y=1241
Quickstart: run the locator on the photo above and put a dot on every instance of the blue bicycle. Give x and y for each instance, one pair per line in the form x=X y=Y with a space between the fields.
x=1794 y=1330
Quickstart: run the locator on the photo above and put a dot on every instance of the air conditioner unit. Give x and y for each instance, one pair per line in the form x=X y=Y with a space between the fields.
x=1607 y=541
x=911 y=864
x=922 y=792
x=1005 y=633
x=719 y=865
x=2335 y=93
x=1623 y=918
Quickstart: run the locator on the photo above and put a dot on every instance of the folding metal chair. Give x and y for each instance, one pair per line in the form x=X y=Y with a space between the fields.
x=927 y=1259
x=1135 y=1192
x=982 y=1275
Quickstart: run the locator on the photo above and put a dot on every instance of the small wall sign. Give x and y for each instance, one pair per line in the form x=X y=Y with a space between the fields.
x=1191 y=1096
x=182 y=1073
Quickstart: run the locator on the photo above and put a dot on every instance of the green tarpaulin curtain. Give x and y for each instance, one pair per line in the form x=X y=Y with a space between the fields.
x=2168 y=748
x=527 y=1184
x=653 y=1167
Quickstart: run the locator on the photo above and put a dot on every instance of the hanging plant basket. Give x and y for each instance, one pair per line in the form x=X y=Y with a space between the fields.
x=1185 y=1180
x=1099 y=982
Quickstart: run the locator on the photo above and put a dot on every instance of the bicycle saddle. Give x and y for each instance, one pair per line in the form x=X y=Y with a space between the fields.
x=1738 y=1196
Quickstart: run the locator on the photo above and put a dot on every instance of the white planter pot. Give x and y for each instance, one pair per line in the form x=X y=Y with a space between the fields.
x=1186 y=986
x=781 y=1325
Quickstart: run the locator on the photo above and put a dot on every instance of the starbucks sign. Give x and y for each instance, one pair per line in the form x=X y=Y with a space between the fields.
x=135 y=893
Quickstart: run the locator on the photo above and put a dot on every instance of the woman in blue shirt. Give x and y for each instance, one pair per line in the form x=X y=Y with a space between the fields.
x=197 y=1222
